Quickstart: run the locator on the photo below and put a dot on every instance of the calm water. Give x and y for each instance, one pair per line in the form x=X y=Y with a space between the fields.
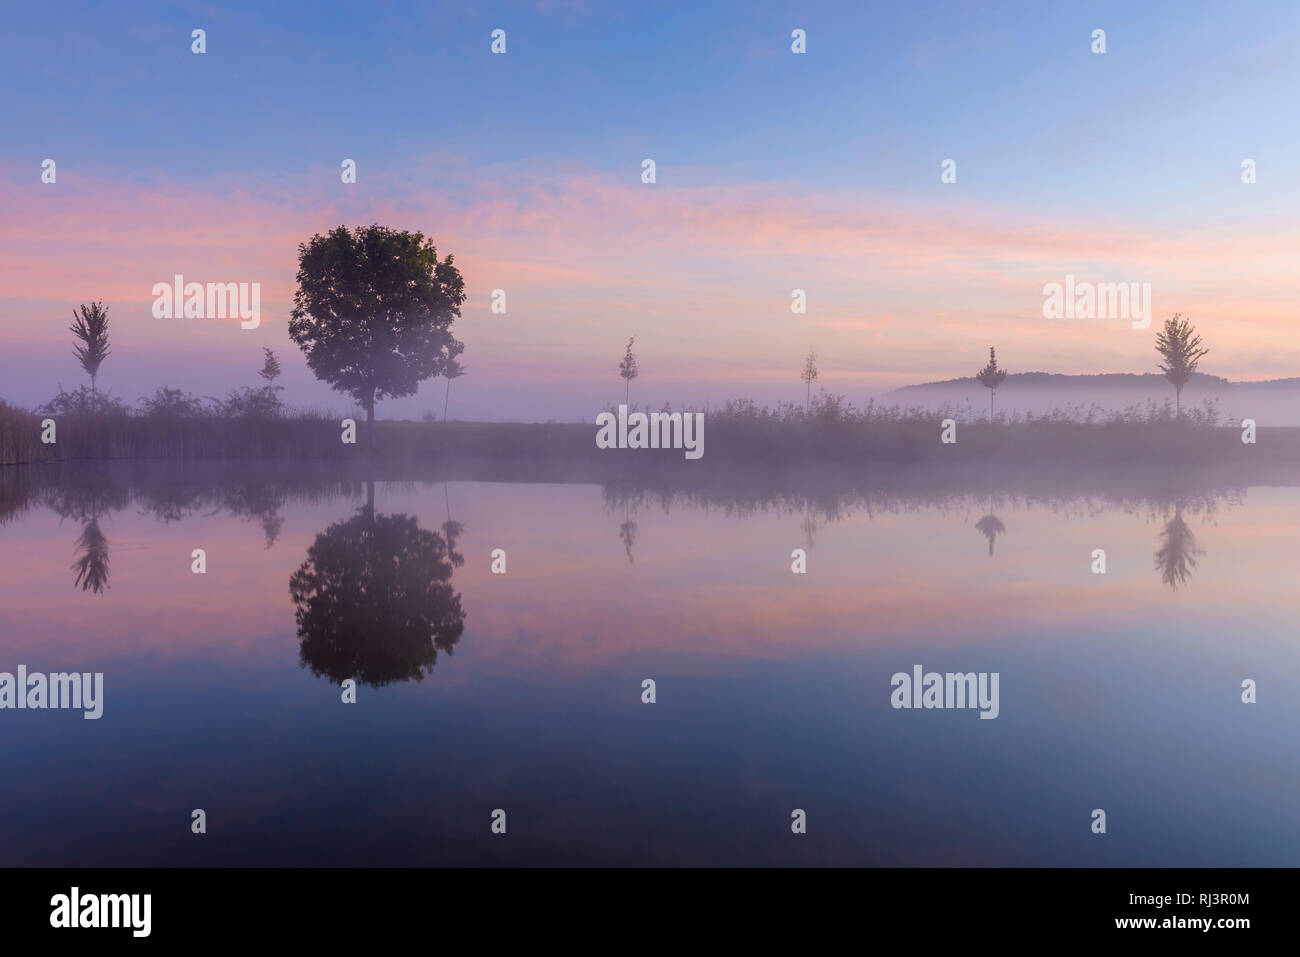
x=522 y=691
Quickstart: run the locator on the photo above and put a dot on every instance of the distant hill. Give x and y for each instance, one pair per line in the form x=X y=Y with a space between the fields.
x=1144 y=381
x=1271 y=402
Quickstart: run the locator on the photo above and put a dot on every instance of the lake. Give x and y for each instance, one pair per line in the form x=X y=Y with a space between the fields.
x=478 y=691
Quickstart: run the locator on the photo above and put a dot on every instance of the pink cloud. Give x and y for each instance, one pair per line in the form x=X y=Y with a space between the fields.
x=585 y=257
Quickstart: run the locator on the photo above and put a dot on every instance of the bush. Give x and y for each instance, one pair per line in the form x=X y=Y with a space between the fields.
x=173 y=404
x=84 y=402
x=249 y=403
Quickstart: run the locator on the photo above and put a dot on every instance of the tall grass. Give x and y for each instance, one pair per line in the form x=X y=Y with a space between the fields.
x=827 y=431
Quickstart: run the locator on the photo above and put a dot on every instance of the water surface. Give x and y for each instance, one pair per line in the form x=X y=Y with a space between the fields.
x=522 y=691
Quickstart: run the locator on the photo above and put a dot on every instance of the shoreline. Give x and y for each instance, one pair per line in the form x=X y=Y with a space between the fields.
x=729 y=443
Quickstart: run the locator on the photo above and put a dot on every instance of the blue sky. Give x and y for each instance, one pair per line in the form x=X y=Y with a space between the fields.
x=1146 y=140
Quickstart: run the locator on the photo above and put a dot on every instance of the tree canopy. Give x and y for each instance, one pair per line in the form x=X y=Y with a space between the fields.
x=373 y=311
x=1180 y=348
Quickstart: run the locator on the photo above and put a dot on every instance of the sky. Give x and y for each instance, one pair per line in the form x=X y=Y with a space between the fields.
x=775 y=171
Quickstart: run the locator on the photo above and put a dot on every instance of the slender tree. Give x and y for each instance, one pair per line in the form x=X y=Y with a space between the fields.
x=991 y=377
x=373 y=312
x=1181 y=351
x=271 y=368
x=454 y=370
x=628 y=369
x=90 y=326
x=809 y=375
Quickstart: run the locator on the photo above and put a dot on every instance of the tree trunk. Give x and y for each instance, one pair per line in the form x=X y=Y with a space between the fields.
x=627 y=391
x=446 y=399
x=992 y=393
x=370 y=420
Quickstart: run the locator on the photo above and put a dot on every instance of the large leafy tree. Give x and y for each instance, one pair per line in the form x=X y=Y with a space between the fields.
x=373 y=312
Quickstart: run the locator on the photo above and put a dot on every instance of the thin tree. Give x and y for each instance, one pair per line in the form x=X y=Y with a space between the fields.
x=454 y=370
x=270 y=370
x=628 y=370
x=809 y=375
x=91 y=327
x=991 y=377
x=1181 y=349
x=373 y=312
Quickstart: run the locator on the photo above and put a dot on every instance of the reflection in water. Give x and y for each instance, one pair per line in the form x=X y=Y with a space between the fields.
x=809 y=527
x=373 y=600
x=627 y=533
x=627 y=530
x=531 y=704
x=1176 y=558
x=92 y=566
x=452 y=530
x=990 y=526
x=173 y=492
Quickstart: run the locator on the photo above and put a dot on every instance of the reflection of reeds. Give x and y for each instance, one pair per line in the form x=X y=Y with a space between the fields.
x=830 y=431
x=92 y=566
x=1176 y=558
x=627 y=535
x=990 y=526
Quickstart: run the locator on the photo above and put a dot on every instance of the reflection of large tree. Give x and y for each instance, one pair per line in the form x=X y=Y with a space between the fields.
x=374 y=601
x=1176 y=559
